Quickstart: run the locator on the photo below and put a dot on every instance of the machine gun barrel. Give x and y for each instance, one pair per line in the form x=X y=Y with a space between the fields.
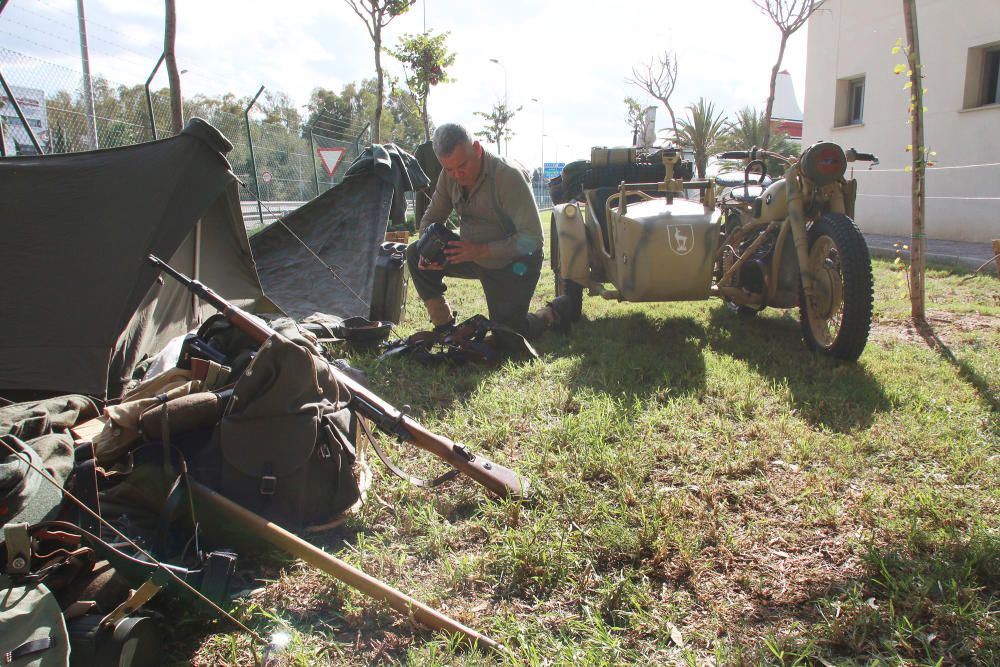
x=501 y=481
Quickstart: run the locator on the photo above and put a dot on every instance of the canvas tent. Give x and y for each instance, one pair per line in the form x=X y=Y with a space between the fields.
x=321 y=257
x=79 y=302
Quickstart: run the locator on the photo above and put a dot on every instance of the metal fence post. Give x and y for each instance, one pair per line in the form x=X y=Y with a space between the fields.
x=253 y=160
x=312 y=146
x=149 y=100
x=357 y=140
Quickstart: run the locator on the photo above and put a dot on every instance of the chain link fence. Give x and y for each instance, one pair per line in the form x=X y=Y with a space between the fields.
x=290 y=164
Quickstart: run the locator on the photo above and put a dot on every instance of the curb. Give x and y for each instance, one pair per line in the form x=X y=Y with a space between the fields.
x=969 y=263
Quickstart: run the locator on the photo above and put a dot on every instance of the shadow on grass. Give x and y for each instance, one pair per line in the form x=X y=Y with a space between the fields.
x=965 y=370
x=926 y=601
x=840 y=396
x=635 y=354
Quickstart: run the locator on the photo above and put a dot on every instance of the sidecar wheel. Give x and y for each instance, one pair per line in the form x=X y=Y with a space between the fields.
x=564 y=287
x=836 y=321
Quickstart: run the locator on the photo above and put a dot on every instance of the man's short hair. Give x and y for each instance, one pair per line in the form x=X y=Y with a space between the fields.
x=448 y=137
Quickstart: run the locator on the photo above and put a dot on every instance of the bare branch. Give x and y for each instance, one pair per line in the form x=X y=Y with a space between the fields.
x=788 y=16
x=367 y=19
x=658 y=78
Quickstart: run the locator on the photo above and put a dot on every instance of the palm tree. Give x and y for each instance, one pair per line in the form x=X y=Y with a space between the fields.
x=702 y=131
x=749 y=129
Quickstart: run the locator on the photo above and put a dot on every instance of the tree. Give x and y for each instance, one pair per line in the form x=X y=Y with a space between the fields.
x=635 y=117
x=343 y=115
x=920 y=154
x=425 y=57
x=377 y=14
x=789 y=16
x=279 y=110
x=749 y=129
x=658 y=77
x=702 y=132
x=497 y=126
x=173 y=76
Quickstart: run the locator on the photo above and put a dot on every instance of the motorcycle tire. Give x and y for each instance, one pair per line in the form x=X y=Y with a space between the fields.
x=564 y=287
x=837 y=321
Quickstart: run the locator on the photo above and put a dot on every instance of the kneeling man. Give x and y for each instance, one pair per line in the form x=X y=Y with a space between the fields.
x=500 y=240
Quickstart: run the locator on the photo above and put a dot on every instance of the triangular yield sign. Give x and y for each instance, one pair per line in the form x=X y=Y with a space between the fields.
x=331 y=158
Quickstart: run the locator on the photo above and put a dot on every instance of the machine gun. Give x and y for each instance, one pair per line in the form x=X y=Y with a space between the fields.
x=496 y=478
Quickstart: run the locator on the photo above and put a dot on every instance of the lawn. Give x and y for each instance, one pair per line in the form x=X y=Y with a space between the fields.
x=706 y=491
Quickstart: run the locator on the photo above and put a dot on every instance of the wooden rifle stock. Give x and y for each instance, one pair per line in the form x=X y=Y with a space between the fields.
x=296 y=546
x=502 y=481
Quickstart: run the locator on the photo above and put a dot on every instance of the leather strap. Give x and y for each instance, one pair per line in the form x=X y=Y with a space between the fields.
x=416 y=481
x=28 y=648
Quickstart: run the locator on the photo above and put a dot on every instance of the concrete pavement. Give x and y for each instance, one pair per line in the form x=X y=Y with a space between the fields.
x=950 y=253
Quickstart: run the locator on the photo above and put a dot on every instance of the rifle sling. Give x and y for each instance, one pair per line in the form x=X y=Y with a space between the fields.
x=415 y=481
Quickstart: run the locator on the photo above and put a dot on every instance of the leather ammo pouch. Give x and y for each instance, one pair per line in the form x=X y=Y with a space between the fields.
x=284 y=451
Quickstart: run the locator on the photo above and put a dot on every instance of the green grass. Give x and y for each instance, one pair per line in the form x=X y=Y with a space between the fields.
x=697 y=475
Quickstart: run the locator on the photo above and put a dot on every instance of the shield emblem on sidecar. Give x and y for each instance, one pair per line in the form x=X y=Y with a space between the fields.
x=681 y=238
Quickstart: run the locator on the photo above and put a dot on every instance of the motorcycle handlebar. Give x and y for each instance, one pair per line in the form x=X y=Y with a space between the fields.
x=735 y=155
x=853 y=155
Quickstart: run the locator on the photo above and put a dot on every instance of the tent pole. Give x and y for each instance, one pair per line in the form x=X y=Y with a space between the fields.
x=195 y=304
x=253 y=160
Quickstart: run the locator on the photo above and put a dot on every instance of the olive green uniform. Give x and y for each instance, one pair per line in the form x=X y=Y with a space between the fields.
x=498 y=211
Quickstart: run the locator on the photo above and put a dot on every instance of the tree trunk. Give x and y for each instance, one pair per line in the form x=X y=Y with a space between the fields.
x=174 y=78
x=919 y=157
x=770 y=96
x=673 y=120
x=380 y=79
x=427 y=122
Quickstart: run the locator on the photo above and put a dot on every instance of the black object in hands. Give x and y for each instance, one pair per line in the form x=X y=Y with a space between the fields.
x=433 y=242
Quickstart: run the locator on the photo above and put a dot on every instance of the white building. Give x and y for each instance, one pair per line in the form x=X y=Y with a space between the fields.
x=16 y=138
x=854 y=98
x=786 y=116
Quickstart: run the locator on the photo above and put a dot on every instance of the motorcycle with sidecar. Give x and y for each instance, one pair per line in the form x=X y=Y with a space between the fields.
x=749 y=240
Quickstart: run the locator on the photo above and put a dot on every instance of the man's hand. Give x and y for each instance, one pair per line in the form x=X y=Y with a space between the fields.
x=424 y=265
x=465 y=251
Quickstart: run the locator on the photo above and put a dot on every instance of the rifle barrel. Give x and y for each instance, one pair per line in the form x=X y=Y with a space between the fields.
x=502 y=481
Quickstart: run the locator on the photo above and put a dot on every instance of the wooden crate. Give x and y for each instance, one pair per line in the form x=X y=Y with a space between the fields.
x=398 y=237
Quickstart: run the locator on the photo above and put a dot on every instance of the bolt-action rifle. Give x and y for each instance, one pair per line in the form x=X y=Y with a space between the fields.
x=496 y=478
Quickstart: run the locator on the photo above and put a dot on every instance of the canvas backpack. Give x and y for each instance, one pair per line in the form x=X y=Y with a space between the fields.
x=285 y=452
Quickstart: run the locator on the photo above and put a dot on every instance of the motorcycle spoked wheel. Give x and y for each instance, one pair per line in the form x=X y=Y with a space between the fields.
x=837 y=320
x=571 y=289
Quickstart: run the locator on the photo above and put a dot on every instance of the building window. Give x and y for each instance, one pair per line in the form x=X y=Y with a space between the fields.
x=982 y=76
x=857 y=101
x=991 y=82
x=850 y=101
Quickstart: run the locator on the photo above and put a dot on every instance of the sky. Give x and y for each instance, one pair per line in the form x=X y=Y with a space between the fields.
x=563 y=63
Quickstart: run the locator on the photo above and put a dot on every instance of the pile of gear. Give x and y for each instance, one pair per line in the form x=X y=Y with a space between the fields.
x=171 y=438
x=217 y=416
x=608 y=167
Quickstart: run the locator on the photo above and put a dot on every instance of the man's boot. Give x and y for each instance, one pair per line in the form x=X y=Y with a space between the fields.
x=441 y=315
x=557 y=314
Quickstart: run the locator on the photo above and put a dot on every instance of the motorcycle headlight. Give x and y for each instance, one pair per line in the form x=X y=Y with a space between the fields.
x=823 y=163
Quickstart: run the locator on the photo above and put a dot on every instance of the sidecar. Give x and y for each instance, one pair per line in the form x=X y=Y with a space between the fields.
x=651 y=239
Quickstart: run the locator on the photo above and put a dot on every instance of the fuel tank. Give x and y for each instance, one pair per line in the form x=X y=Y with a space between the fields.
x=774 y=202
x=664 y=252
